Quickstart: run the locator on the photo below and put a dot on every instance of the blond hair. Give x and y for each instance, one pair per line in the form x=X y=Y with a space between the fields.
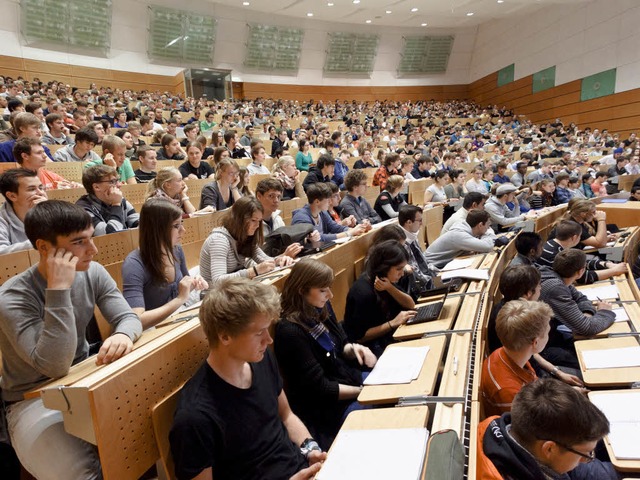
x=520 y=322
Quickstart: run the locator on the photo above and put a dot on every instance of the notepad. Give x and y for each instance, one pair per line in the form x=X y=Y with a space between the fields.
x=338 y=241
x=375 y=226
x=621 y=314
x=470 y=273
x=603 y=292
x=458 y=263
x=621 y=409
x=612 y=358
x=379 y=454
x=398 y=365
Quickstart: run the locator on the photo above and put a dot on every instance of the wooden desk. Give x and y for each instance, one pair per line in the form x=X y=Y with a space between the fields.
x=405 y=417
x=423 y=385
x=622 y=214
x=622 y=465
x=607 y=377
x=447 y=317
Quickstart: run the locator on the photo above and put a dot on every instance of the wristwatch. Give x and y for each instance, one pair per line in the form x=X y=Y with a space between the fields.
x=308 y=446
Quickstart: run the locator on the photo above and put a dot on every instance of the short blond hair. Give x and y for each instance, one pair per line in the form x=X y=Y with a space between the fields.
x=232 y=305
x=395 y=182
x=520 y=322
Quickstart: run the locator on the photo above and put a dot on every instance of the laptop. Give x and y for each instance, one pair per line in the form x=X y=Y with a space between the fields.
x=429 y=312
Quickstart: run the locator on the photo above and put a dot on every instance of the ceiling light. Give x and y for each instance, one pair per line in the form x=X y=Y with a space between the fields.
x=470 y=14
x=414 y=9
x=329 y=4
x=500 y=1
x=388 y=11
x=309 y=14
x=367 y=21
x=423 y=24
x=246 y=4
x=356 y=1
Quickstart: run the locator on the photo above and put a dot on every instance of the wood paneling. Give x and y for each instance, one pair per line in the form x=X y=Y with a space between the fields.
x=82 y=77
x=251 y=90
x=619 y=112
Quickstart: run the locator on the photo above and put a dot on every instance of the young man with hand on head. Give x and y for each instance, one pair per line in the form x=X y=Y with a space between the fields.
x=109 y=210
x=44 y=316
x=114 y=155
x=551 y=433
x=247 y=429
x=22 y=190
x=29 y=153
x=81 y=150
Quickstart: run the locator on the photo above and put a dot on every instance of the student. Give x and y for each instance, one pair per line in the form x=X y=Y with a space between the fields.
x=148 y=164
x=44 y=315
x=587 y=181
x=567 y=235
x=56 y=134
x=335 y=211
x=155 y=278
x=472 y=235
x=315 y=213
x=390 y=166
x=110 y=212
x=475 y=183
x=233 y=418
x=29 y=154
x=113 y=155
x=25 y=125
x=287 y=174
x=233 y=145
x=353 y=202
x=22 y=190
x=500 y=176
x=599 y=184
x=341 y=169
x=233 y=250
x=128 y=142
x=471 y=201
x=366 y=160
x=389 y=201
x=456 y=190
x=562 y=194
x=422 y=167
x=410 y=220
x=529 y=248
x=168 y=185
x=321 y=368
x=191 y=134
x=584 y=213
x=635 y=194
x=551 y=430
x=501 y=215
x=194 y=168
x=545 y=198
x=223 y=192
x=256 y=167
x=322 y=172
x=435 y=193
x=304 y=159
x=523 y=329
x=573 y=312
x=518 y=178
x=170 y=148
x=375 y=305
x=81 y=150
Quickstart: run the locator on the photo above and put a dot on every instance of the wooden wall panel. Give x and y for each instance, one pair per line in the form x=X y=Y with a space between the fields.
x=619 y=112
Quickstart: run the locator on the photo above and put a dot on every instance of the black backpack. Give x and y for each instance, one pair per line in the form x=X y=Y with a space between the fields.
x=277 y=241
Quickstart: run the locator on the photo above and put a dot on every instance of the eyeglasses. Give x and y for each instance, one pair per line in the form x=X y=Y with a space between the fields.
x=588 y=457
x=113 y=181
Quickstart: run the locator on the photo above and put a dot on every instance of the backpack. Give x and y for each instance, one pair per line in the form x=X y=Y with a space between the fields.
x=277 y=241
x=445 y=456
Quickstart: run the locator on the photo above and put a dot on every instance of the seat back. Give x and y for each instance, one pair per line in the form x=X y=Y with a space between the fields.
x=162 y=419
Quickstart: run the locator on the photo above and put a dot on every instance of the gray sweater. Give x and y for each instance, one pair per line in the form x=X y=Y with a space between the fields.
x=42 y=331
x=12 y=236
x=501 y=214
x=458 y=241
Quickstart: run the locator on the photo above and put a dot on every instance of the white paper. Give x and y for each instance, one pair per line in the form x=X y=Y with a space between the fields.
x=621 y=409
x=471 y=273
x=458 y=263
x=603 y=292
x=624 y=440
x=338 y=241
x=398 y=365
x=621 y=314
x=612 y=358
x=609 y=244
x=382 y=224
x=379 y=454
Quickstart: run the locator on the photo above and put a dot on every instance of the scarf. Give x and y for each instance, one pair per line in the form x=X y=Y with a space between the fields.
x=159 y=193
x=287 y=182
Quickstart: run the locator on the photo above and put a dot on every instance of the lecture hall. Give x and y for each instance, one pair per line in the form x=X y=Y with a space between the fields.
x=275 y=239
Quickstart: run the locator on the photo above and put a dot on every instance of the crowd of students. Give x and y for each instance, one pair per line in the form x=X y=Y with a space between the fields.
x=236 y=417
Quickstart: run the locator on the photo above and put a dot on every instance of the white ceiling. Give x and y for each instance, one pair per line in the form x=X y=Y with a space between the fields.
x=435 y=13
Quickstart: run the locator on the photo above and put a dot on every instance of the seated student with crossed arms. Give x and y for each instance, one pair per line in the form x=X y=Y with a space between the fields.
x=233 y=419
x=551 y=433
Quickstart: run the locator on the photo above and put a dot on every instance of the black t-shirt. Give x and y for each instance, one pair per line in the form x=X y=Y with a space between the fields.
x=144 y=177
x=237 y=432
x=203 y=170
x=385 y=199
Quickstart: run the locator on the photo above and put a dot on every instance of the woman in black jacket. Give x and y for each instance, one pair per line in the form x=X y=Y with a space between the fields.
x=321 y=369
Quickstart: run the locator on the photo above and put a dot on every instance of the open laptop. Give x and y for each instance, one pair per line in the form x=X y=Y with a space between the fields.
x=429 y=312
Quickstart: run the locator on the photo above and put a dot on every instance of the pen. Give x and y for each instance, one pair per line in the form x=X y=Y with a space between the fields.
x=455 y=365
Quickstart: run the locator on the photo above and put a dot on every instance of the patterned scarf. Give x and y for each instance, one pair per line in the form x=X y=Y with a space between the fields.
x=287 y=182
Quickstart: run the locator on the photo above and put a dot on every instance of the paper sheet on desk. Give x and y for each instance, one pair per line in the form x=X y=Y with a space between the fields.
x=621 y=409
x=612 y=358
x=603 y=293
x=458 y=263
x=621 y=314
x=375 y=226
x=609 y=244
x=341 y=240
x=379 y=454
x=470 y=273
x=398 y=365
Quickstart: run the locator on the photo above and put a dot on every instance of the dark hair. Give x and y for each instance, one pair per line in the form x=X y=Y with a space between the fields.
x=566 y=229
x=155 y=228
x=96 y=173
x=471 y=198
x=305 y=275
x=586 y=177
x=10 y=180
x=24 y=145
x=569 y=262
x=267 y=184
x=53 y=218
x=477 y=216
x=229 y=135
x=166 y=140
x=235 y=221
x=388 y=232
x=325 y=160
x=14 y=104
x=518 y=281
x=318 y=191
x=353 y=178
x=527 y=241
x=52 y=117
x=383 y=256
x=548 y=409
x=407 y=212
